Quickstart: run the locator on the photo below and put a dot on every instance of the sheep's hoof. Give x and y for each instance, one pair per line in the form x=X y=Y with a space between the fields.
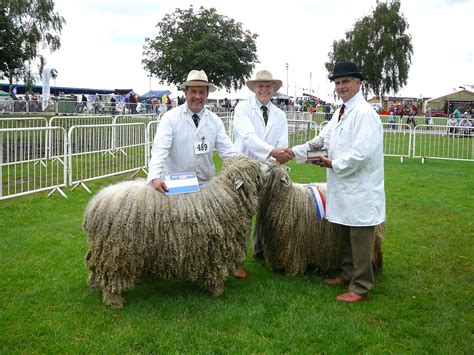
x=113 y=300
x=216 y=290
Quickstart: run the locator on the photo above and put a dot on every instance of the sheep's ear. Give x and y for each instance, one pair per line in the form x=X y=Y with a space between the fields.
x=285 y=181
x=238 y=184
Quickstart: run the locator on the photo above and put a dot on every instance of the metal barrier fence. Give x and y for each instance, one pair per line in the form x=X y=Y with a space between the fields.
x=23 y=122
x=295 y=115
x=300 y=131
x=419 y=120
x=97 y=151
x=397 y=140
x=142 y=117
x=442 y=142
x=24 y=167
x=23 y=106
x=47 y=158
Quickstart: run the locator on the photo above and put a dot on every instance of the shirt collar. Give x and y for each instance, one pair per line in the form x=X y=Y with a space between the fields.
x=191 y=113
x=353 y=100
x=259 y=104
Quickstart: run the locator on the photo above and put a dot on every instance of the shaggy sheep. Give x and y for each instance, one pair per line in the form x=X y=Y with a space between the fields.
x=292 y=236
x=134 y=230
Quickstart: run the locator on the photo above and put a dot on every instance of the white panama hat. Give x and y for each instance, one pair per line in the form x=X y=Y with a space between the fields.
x=197 y=78
x=264 y=75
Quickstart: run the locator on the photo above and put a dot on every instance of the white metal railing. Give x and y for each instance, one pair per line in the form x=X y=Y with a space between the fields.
x=443 y=142
x=23 y=122
x=301 y=131
x=397 y=140
x=142 y=117
x=24 y=167
x=41 y=158
x=150 y=136
x=227 y=118
x=23 y=106
x=295 y=115
x=97 y=151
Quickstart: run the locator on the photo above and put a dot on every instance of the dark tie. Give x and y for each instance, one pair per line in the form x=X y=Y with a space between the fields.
x=196 y=119
x=341 y=112
x=265 y=113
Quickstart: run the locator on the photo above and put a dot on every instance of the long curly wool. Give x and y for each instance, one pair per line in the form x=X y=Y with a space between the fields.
x=134 y=230
x=293 y=238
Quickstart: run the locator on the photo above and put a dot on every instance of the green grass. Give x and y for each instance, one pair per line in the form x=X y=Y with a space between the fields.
x=421 y=302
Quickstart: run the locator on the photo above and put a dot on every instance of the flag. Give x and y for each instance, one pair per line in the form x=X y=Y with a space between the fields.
x=46 y=91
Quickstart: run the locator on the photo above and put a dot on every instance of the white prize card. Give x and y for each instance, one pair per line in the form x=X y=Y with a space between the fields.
x=181 y=183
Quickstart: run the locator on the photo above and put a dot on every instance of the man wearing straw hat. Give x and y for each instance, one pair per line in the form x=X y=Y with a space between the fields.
x=261 y=130
x=184 y=127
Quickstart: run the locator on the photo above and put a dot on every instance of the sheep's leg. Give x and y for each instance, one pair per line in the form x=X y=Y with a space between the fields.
x=113 y=300
x=216 y=289
x=92 y=281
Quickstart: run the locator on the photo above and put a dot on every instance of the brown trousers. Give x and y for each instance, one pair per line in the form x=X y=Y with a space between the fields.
x=357 y=258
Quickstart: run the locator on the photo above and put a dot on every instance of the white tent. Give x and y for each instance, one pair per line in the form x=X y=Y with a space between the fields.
x=442 y=102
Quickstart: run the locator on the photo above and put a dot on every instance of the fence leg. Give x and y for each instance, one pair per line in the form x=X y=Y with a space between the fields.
x=422 y=160
x=401 y=158
x=138 y=171
x=58 y=189
x=81 y=183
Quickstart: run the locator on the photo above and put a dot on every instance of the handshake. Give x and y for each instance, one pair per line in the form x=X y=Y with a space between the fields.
x=282 y=154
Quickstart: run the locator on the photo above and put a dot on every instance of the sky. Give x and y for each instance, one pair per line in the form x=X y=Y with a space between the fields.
x=102 y=42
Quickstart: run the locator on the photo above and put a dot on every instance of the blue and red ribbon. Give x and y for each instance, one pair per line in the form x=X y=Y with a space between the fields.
x=319 y=200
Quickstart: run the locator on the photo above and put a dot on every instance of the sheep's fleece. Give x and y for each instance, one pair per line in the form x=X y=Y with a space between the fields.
x=292 y=237
x=201 y=237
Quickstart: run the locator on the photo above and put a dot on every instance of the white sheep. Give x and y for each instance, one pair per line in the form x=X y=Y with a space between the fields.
x=134 y=230
x=293 y=237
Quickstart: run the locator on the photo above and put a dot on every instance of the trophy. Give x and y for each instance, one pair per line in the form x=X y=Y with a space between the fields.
x=316 y=150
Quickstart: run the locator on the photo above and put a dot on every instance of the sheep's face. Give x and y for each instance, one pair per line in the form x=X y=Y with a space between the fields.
x=275 y=176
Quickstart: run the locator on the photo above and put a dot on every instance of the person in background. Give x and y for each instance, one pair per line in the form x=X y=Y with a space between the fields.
x=452 y=123
x=97 y=108
x=156 y=104
x=261 y=131
x=113 y=104
x=457 y=114
x=355 y=197
x=464 y=126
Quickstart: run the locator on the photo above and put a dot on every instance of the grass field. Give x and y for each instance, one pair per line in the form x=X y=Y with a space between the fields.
x=421 y=302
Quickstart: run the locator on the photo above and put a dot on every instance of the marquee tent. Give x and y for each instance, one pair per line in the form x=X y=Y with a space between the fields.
x=156 y=93
x=462 y=97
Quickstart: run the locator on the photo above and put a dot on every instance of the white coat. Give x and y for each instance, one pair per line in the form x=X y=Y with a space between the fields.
x=175 y=142
x=355 y=184
x=251 y=136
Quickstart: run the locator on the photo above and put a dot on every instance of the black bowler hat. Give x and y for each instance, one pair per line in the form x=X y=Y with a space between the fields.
x=346 y=69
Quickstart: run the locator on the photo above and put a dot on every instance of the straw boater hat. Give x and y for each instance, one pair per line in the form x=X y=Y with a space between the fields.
x=197 y=78
x=264 y=75
x=346 y=69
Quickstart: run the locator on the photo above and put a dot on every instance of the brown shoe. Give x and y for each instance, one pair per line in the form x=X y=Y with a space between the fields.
x=351 y=297
x=336 y=282
x=240 y=273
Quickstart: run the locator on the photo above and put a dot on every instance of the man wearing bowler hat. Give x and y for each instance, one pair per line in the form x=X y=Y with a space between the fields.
x=184 y=128
x=355 y=180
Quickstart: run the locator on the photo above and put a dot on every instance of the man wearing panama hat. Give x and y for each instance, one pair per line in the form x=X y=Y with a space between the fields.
x=261 y=128
x=183 y=132
x=355 y=180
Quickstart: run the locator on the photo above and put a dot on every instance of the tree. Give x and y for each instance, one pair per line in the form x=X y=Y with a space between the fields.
x=30 y=26
x=380 y=46
x=204 y=41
